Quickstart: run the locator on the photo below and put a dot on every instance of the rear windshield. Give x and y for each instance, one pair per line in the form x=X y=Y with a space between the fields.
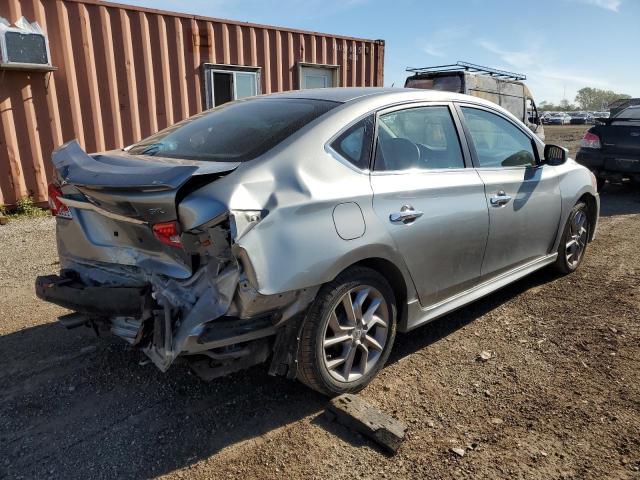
x=449 y=83
x=629 y=112
x=235 y=132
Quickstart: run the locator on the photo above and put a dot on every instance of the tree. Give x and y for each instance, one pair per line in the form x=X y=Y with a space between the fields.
x=597 y=99
x=563 y=106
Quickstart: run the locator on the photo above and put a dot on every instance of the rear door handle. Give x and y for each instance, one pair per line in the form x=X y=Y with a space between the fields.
x=407 y=214
x=500 y=199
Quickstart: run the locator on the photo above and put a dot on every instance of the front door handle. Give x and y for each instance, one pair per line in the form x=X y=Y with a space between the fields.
x=500 y=199
x=407 y=214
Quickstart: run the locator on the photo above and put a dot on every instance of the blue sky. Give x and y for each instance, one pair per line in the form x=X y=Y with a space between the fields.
x=561 y=45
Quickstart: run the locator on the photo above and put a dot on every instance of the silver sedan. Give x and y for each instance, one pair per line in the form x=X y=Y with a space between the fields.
x=306 y=228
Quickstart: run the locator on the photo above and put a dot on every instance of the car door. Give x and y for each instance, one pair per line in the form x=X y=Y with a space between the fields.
x=523 y=195
x=433 y=206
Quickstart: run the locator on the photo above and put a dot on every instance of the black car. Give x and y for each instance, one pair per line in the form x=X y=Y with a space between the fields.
x=579 y=118
x=611 y=148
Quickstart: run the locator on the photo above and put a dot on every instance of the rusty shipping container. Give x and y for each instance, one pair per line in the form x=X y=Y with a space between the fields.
x=121 y=73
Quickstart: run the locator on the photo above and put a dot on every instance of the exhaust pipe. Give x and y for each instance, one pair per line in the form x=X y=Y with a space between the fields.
x=73 y=320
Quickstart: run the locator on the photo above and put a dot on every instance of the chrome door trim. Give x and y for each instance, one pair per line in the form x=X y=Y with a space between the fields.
x=500 y=199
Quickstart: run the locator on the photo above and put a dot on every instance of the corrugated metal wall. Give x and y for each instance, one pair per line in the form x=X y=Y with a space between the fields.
x=125 y=72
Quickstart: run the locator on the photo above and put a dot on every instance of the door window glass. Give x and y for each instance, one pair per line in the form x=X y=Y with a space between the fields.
x=498 y=142
x=355 y=143
x=418 y=138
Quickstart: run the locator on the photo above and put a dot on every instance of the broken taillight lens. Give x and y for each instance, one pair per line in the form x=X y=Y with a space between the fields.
x=58 y=209
x=590 y=140
x=168 y=233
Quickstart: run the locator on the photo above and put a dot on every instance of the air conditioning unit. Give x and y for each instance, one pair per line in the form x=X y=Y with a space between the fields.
x=23 y=46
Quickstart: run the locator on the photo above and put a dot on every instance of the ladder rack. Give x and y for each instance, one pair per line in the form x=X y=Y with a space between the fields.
x=469 y=67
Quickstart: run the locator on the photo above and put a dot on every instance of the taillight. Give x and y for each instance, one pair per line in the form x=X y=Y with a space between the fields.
x=590 y=140
x=58 y=209
x=168 y=233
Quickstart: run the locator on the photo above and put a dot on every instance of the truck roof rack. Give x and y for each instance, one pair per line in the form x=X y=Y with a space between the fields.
x=469 y=67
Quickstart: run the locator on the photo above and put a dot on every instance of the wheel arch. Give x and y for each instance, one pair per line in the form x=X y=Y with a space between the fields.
x=394 y=276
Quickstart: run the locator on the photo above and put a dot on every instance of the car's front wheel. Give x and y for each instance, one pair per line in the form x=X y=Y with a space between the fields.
x=348 y=333
x=574 y=239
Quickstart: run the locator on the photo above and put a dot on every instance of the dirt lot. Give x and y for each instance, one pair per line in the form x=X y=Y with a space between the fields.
x=568 y=136
x=559 y=399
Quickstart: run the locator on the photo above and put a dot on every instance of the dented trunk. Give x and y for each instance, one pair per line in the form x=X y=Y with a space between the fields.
x=115 y=200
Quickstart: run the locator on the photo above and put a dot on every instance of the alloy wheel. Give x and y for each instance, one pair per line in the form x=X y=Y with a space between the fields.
x=355 y=333
x=577 y=239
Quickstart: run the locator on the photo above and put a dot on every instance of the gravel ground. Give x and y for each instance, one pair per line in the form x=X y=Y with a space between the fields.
x=560 y=397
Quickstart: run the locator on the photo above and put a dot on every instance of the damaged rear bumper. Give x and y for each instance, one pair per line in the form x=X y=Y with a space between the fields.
x=102 y=301
x=225 y=326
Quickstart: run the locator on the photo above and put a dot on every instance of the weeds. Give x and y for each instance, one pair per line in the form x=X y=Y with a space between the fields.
x=25 y=208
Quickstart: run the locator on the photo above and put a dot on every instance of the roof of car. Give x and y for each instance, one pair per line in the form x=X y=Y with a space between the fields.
x=347 y=94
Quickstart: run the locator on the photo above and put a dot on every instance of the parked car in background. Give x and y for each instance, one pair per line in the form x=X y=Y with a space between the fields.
x=557 y=118
x=309 y=226
x=578 y=118
x=611 y=148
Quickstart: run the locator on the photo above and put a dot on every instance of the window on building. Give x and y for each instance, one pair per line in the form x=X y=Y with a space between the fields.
x=226 y=83
x=318 y=76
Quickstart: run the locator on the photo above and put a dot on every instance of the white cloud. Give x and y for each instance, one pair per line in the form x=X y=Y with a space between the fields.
x=433 y=50
x=442 y=40
x=613 y=5
x=516 y=58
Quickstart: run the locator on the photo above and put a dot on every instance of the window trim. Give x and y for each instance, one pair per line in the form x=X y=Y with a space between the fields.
x=464 y=147
x=209 y=69
x=474 y=154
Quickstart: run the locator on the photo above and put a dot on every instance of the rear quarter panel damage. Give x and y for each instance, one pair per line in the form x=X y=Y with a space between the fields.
x=297 y=244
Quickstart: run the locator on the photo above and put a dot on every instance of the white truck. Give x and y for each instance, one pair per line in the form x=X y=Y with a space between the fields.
x=504 y=88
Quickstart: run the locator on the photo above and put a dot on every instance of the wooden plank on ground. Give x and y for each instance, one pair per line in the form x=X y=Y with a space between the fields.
x=353 y=412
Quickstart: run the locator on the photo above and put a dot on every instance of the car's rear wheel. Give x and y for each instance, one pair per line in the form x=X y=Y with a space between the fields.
x=573 y=244
x=348 y=334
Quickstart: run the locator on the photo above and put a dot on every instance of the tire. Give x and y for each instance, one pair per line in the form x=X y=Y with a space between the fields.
x=332 y=340
x=574 y=241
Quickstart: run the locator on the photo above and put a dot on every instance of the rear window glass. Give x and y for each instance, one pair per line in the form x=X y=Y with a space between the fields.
x=630 y=112
x=450 y=83
x=235 y=132
x=355 y=144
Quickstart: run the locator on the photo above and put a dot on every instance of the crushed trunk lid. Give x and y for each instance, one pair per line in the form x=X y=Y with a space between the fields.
x=140 y=187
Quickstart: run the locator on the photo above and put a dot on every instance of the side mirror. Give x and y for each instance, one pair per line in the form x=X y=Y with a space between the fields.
x=555 y=155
